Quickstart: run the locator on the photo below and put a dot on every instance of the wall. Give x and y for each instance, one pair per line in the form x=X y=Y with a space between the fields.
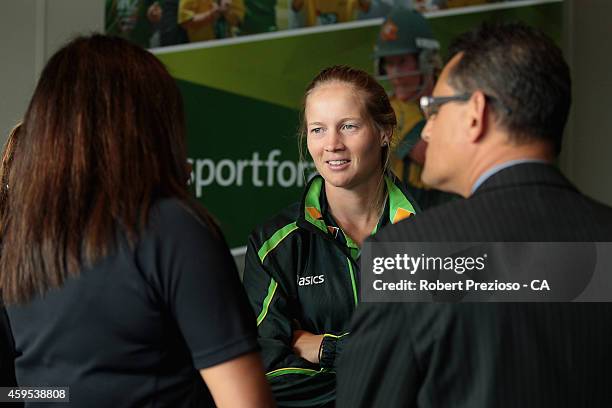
x=31 y=30
x=18 y=42
x=588 y=157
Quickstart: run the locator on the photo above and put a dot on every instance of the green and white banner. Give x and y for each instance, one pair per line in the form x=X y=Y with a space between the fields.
x=243 y=98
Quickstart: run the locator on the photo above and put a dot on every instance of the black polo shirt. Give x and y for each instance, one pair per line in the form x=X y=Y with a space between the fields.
x=134 y=329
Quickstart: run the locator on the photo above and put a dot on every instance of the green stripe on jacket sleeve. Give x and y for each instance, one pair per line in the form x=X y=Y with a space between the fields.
x=275 y=239
x=265 y=249
x=267 y=301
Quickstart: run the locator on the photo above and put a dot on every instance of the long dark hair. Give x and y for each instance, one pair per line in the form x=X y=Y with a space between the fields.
x=102 y=139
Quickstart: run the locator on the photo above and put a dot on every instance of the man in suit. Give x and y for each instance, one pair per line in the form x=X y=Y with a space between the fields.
x=495 y=124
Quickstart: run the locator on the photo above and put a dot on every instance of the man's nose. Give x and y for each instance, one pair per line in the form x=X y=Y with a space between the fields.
x=426 y=132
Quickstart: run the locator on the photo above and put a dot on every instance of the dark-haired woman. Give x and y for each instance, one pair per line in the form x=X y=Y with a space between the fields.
x=117 y=284
x=302 y=267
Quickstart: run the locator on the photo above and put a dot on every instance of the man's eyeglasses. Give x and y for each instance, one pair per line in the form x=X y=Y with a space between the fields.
x=430 y=105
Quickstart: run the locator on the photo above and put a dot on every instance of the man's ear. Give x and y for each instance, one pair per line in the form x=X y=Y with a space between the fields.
x=476 y=116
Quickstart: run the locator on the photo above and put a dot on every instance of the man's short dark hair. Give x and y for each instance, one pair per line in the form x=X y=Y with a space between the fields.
x=523 y=73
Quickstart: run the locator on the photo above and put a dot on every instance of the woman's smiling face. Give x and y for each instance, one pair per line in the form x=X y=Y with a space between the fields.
x=344 y=144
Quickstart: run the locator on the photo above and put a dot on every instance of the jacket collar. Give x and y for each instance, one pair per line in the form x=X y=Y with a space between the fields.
x=525 y=174
x=311 y=208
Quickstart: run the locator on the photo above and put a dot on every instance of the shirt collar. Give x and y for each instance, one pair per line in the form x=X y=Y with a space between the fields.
x=499 y=167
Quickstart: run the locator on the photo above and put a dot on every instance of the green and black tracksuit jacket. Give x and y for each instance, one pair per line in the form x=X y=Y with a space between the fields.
x=302 y=272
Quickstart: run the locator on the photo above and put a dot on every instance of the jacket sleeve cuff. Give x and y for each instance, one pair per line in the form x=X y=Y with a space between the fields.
x=331 y=347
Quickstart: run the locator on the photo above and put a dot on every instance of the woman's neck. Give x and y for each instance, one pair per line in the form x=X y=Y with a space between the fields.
x=356 y=210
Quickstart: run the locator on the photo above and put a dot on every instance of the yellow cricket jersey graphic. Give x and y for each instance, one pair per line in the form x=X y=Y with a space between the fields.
x=189 y=8
x=408 y=115
x=463 y=3
x=331 y=11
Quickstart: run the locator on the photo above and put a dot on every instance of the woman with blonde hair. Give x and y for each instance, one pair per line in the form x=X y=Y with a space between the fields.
x=302 y=267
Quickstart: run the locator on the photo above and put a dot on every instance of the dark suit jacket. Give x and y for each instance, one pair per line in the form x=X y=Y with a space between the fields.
x=488 y=354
